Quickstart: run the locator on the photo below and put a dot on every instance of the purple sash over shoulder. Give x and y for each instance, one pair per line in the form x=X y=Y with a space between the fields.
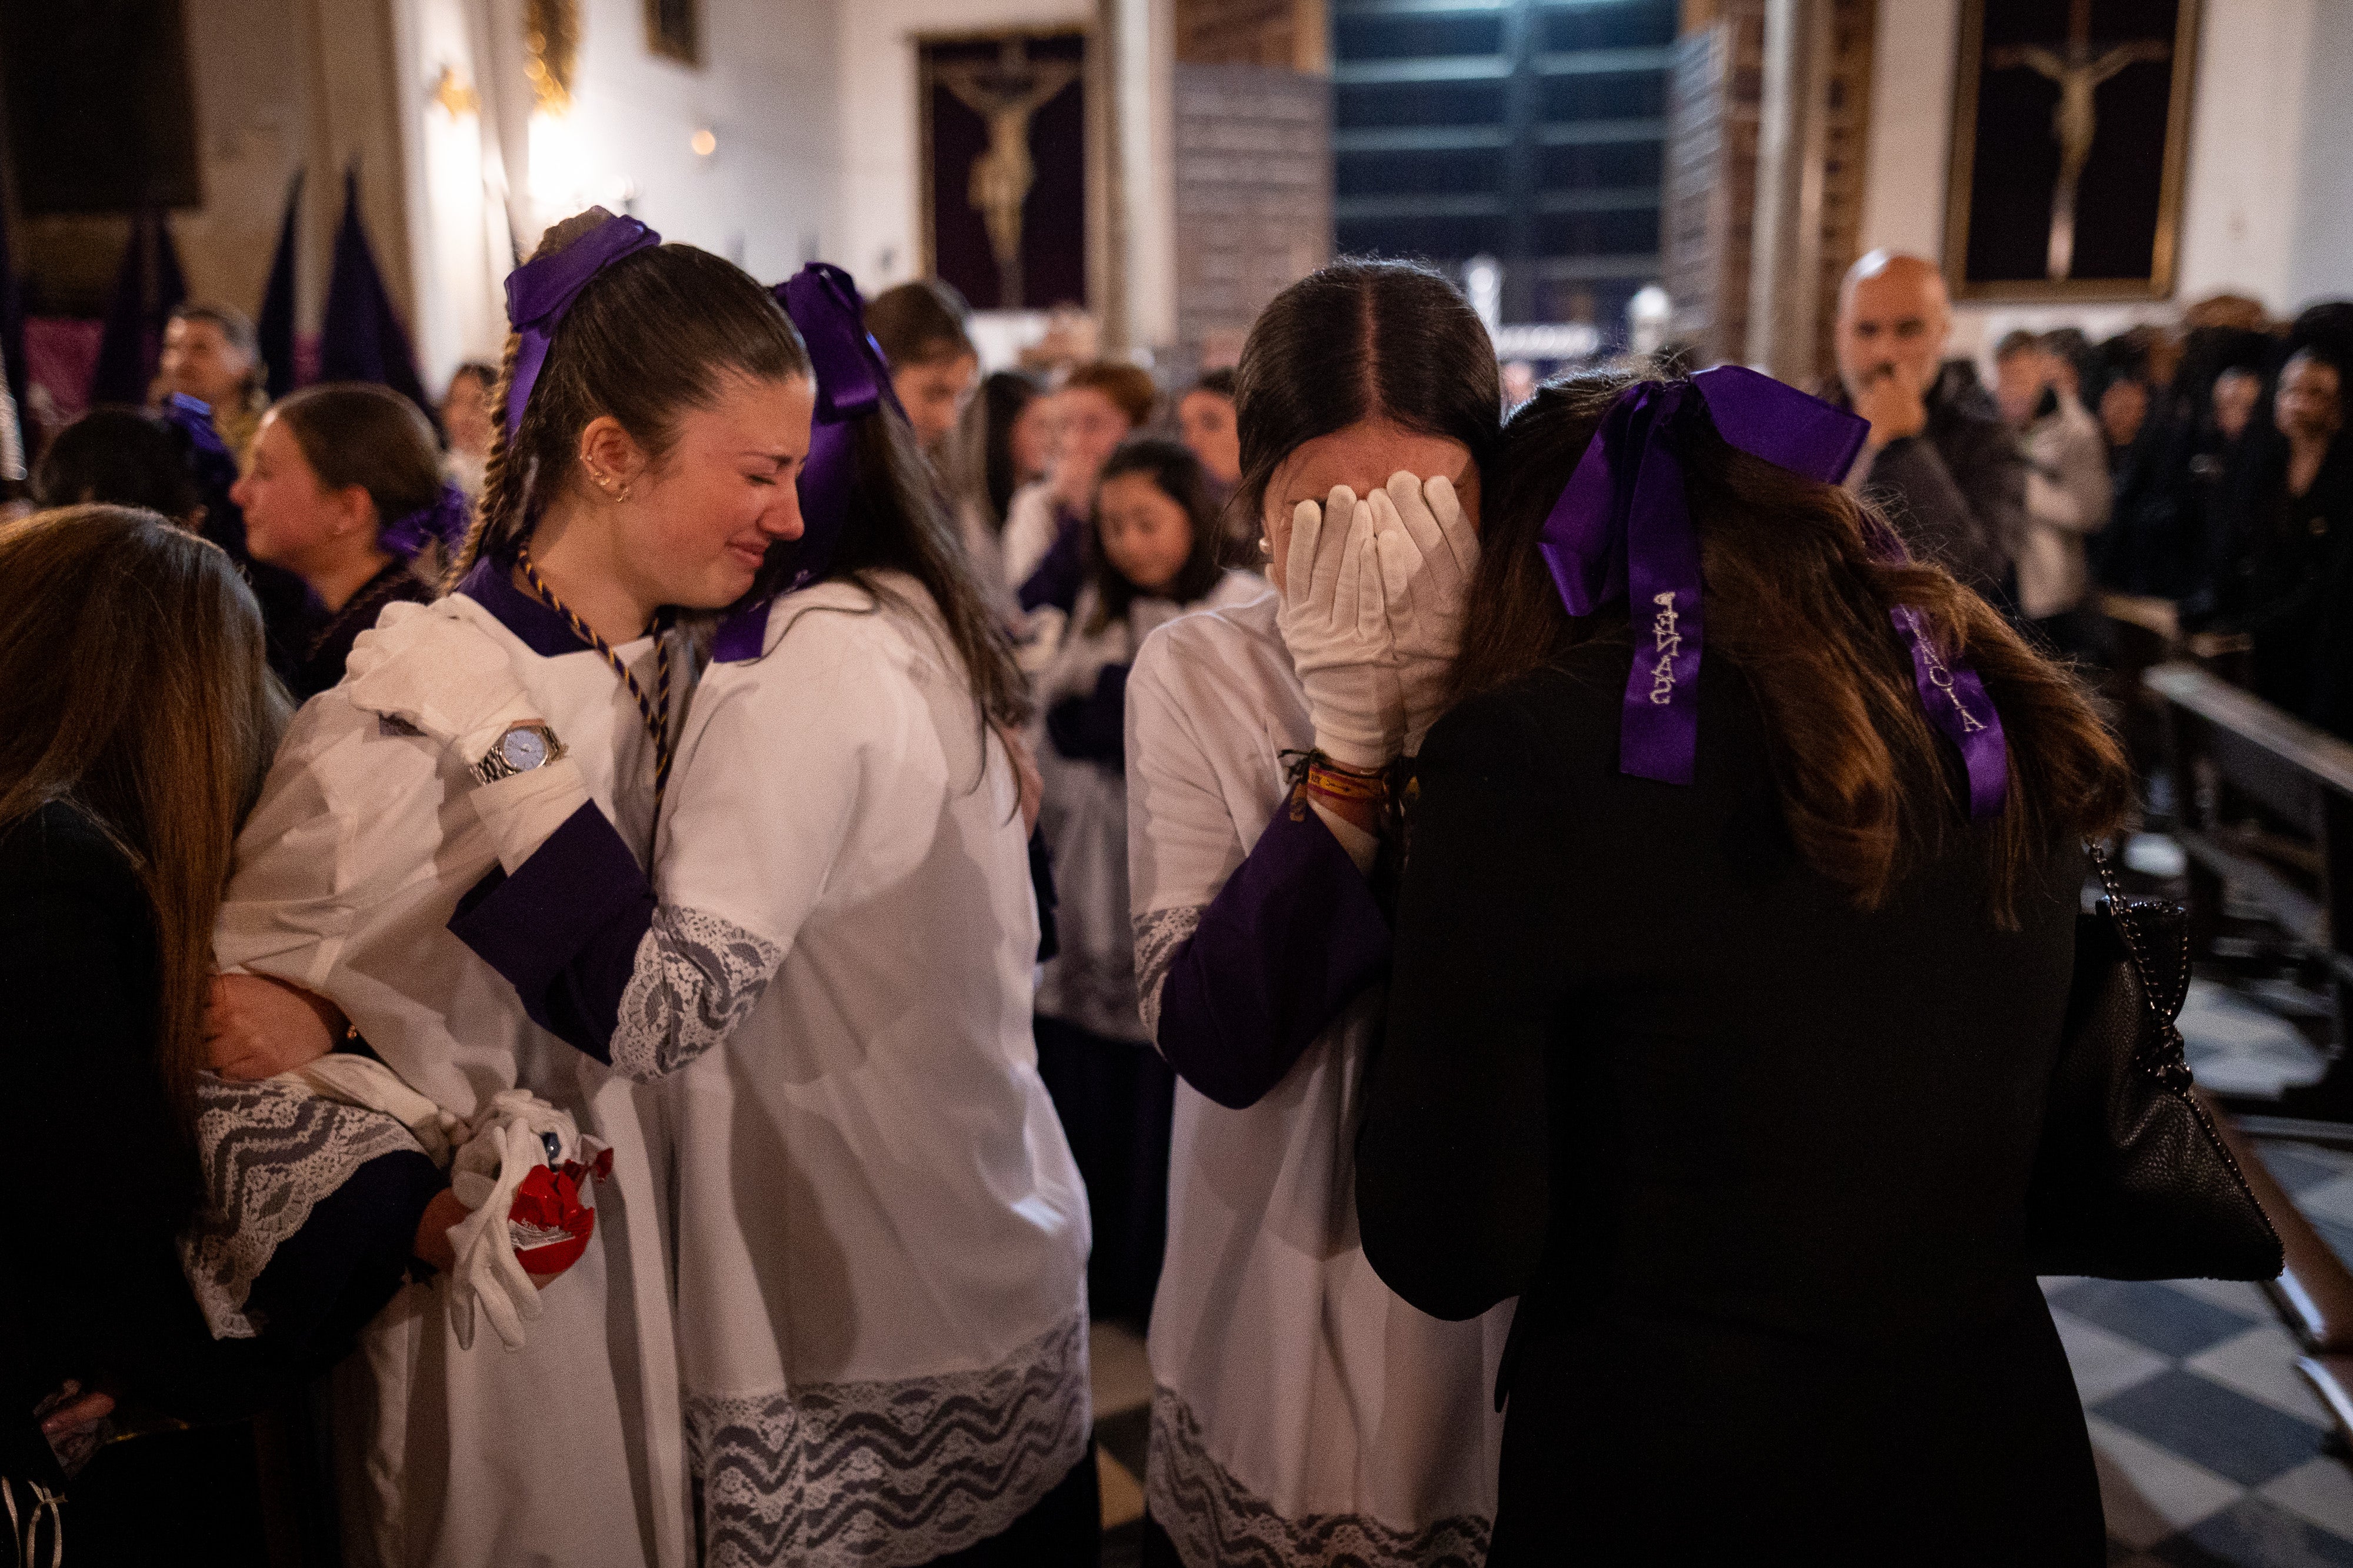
x=541 y=290
x=1623 y=531
x=852 y=378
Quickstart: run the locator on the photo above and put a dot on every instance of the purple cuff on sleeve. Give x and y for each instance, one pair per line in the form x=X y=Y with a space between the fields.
x=1289 y=940
x=563 y=931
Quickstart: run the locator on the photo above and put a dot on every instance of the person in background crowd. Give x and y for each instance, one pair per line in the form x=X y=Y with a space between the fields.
x=470 y=418
x=920 y=327
x=120 y=457
x=1095 y=409
x=1737 y=1214
x=1940 y=452
x=1303 y=1414
x=345 y=490
x=2067 y=487
x=1003 y=445
x=1204 y=419
x=176 y=464
x=210 y=353
x=2289 y=517
x=1154 y=555
x=142 y=717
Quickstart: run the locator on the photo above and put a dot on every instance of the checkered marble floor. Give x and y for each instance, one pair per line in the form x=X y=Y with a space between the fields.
x=2210 y=1447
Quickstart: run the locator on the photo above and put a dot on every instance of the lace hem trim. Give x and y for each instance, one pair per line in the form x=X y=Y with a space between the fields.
x=1159 y=934
x=696 y=978
x=1214 y=1521
x=886 y=1475
x=270 y=1152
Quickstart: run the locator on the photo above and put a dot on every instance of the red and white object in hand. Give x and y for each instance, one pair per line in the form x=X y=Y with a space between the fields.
x=528 y=1176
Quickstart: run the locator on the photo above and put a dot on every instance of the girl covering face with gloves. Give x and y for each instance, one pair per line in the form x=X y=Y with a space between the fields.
x=1302 y=1413
x=658 y=407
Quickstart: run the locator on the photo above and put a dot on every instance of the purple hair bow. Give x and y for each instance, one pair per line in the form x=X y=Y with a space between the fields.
x=853 y=378
x=1623 y=531
x=208 y=456
x=444 y=521
x=539 y=292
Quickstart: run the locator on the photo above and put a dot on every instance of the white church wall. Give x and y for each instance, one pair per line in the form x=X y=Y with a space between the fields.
x=2264 y=209
x=764 y=196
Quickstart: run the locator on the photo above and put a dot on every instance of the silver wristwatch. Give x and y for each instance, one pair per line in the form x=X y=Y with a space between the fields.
x=523 y=748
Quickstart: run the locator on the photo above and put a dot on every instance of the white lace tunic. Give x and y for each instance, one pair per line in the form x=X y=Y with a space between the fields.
x=1302 y=1414
x=882 y=1240
x=571 y=1449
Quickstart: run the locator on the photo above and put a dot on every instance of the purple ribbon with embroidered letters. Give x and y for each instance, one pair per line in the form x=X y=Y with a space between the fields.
x=540 y=291
x=1622 y=530
x=445 y=521
x=853 y=378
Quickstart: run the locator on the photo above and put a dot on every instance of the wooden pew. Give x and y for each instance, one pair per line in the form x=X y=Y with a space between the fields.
x=2226 y=747
x=2314 y=1293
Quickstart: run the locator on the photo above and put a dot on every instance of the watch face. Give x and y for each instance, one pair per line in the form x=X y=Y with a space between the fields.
x=523 y=749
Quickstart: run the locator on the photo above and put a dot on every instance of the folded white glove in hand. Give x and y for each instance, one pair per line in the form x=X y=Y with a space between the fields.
x=533 y=1211
x=1428 y=555
x=1333 y=623
x=441 y=675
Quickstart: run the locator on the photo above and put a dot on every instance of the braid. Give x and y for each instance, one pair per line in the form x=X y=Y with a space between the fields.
x=496 y=510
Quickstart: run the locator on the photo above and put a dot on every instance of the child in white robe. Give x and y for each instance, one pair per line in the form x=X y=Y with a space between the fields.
x=648 y=467
x=1302 y=1413
x=882 y=1242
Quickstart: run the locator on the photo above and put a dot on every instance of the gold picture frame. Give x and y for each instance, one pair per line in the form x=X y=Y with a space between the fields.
x=1962 y=169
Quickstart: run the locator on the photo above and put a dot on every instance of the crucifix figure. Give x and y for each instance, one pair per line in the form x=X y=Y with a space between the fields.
x=1006 y=92
x=2079 y=73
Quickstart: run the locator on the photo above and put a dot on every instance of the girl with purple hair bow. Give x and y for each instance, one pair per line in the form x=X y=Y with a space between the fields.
x=1731 y=962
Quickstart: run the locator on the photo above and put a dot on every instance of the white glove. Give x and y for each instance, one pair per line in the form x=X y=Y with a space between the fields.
x=506 y=1141
x=1428 y=554
x=440 y=674
x=1333 y=621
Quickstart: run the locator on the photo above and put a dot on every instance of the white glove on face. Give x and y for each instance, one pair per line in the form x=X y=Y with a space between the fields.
x=1333 y=623
x=440 y=674
x=1428 y=555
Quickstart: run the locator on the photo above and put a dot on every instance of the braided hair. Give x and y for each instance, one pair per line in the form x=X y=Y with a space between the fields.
x=649 y=337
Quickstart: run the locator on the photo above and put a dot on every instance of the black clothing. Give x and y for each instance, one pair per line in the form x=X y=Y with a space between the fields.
x=2291 y=578
x=98 y=1181
x=330 y=644
x=1754 y=1160
x=1117 y=1102
x=1956 y=492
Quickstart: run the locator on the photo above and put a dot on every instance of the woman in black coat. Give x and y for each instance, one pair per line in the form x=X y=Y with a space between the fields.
x=1723 y=1006
x=139 y=720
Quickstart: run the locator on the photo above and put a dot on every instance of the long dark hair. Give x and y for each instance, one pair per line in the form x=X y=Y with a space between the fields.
x=1178 y=474
x=1797 y=601
x=1004 y=397
x=649 y=337
x=139 y=690
x=1360 y=339
x=900 y=521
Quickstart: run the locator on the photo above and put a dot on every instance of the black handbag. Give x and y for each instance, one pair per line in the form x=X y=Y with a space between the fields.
x=2132 y=1180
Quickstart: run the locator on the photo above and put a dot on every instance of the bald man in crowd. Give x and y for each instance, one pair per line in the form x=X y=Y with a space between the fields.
x=1939 y=455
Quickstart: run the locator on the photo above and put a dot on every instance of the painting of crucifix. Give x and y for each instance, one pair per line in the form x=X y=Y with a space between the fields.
x=2069 y=139
x=1004 y=179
